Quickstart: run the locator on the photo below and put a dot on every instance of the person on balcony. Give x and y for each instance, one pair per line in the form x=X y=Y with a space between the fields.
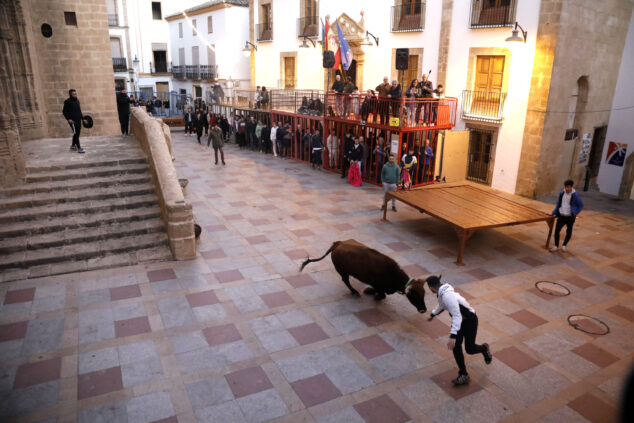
x=369 y=105
x=264 y=100
x=427 y=88
x=412 y=95
x=257 y=98
x=383 y=90
x=439 y=93
x=395 y=94
x=338 y=87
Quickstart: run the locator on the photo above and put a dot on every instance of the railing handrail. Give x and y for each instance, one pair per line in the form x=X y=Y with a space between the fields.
x=261 y=27
x=303 y=25
x=492 y=17
x=486 y=106
x=408 y=22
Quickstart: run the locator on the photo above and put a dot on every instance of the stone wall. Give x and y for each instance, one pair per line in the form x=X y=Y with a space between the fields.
x=443 y=45
x=177 y=214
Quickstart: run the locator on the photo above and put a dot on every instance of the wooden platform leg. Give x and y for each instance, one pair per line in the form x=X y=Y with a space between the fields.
x=550 y=223
x=463 y=236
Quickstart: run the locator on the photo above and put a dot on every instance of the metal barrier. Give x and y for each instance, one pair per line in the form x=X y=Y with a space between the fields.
x=162 y=103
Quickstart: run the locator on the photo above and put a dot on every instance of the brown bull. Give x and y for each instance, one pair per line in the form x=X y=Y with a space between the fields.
x=384 y=275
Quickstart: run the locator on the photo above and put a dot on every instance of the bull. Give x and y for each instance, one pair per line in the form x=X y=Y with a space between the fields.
x=382 y=273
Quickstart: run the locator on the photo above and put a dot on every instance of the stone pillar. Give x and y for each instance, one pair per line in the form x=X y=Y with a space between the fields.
x=445 y=41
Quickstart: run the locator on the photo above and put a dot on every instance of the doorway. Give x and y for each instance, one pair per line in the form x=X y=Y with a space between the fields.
x=480 y=155
x=160 y=61
x=289 y=73
x=596 y=151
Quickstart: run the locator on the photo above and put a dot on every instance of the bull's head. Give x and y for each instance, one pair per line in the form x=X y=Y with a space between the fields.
x=415 y=293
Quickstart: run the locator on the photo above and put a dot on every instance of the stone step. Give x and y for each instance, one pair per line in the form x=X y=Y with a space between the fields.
x=88 y=172
x=85 y=164
x=62 y=196
x=82 y=251
x=106 y=261
x=77 y=208
x=80 y=235
x=61 y=223
x=73 y=184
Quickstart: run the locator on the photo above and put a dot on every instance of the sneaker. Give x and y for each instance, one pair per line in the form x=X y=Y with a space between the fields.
x=553 y=249
x=73 y=147
x=393 y=208
x=80 y=150
x=488 y=357
x=461 y=380
x=563 y=248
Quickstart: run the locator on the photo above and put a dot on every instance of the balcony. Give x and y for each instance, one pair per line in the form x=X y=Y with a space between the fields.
x=492 y=13
x=392 y=114
x=158 y=68
x=192 y=72
x=178 y=71
x=483 y=106
x=264 y=31
x=113 y=20
x=119 y=64
x=308 y=27
x=408 y=18
x=207 y=72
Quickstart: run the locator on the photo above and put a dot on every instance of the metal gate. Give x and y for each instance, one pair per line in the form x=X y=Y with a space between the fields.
x=480 y=149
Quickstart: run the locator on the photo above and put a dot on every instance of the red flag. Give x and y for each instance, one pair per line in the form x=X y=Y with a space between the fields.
x=325 y=35
x=337 y=58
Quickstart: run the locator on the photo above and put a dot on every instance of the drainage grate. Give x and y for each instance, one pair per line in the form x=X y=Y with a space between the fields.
x=588 y=324
x=552 y=288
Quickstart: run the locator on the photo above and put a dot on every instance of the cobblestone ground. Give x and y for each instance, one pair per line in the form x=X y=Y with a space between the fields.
x=239 y=335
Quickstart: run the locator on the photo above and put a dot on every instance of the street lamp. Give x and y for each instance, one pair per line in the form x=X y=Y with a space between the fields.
x=515 y=34
x=247 y=49
x=304 y=44
x=367 y=42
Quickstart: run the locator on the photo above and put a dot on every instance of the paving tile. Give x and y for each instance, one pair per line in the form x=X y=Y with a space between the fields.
x=199 y=299
x=372 y=346
x=308 y=334
x=433 y=329
x=441 y=253
x=621 y=286
x=301 y=280
x=528 y=319
x=161 y=275
x=99 y=382
x=372 y=317
x=102 y=359
x=260 y=222
x=624 y=267
x=171 y=419
x=343 y=227
x=564 y=414
x=152 y=407
x=110 y=412
x=213 y=254
x=257 y=239
x=248 y=381
x=38 y=372
x=624 y=312
x=124 y=292
x=43 y=335
x=531 y=261
x=481 y=274
x=221 y=334
x=606 y=253
x=30 y=399
x=19 y=296
x=216 y=228
x=277 y=299
x=13 y=331
x=262 y=406
x=296 y=254
x=141 y=371
x=398 y=246
x=456 y=392
x=416 y=271
x=380 y=410
x=233 y=217
x=228 y=276
x=315 y=390
x=133 y=326
x=175 y=311
x=208 y=392
x=516 y=359
x=593 y=408
x=303 y=232
x=595 y=355
x=579 y=282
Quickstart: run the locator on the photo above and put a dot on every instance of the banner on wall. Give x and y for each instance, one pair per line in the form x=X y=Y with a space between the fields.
x=616 y=153
x=585 y=147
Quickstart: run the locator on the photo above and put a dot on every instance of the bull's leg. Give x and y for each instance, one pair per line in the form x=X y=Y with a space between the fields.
x=369 y=291
x=379 y=296
x=346 y=280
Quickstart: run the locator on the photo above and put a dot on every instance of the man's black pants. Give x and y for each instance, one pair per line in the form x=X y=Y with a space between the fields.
x=468 y=331
x=345 y=165
x=77 y=129
x=568 y=222
x=124 y=120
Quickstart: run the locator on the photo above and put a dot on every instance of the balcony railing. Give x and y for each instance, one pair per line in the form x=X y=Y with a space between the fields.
x=401 y=114
x=207 y=72
x=483 y=106
x=308 y=27
x=492 y=13
x=192 y=71
x=178 y=71
x=113 y=20
x=119 y=64
x=305 y=102
x=408 y=18
x=264 y=31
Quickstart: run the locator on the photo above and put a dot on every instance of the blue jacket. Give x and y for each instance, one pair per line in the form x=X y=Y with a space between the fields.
x=576 y=205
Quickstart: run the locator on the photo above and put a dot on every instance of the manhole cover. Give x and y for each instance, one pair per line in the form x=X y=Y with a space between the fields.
x=588 y=324
x=552 y=288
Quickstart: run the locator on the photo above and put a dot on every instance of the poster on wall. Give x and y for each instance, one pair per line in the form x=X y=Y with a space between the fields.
x=616 y=153
x=585 y=147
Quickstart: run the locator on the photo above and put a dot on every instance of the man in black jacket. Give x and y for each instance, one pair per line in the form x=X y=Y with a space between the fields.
x=123 y=108
x=72 y=113
x=348 y=143
x=427 y=88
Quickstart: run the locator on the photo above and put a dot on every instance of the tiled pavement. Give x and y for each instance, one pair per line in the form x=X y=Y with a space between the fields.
x=239 y=335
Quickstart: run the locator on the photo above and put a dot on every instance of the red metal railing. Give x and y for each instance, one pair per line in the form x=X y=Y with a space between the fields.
x=402 y=114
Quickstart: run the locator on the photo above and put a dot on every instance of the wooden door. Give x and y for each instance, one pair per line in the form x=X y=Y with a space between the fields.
x=488 y=85
x=289 y=73
x=411 y=73
x=480 y=149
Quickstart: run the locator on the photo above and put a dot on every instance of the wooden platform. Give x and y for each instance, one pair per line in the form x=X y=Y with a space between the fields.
x=469 y=207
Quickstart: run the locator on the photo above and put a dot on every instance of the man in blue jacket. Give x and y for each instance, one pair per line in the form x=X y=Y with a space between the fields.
x=569 y=205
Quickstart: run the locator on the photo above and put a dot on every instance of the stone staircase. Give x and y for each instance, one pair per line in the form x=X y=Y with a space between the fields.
x=87 y=212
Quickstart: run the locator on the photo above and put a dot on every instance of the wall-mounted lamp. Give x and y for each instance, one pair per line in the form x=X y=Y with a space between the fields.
x=304 y=44
x=367 y=39
x=135 y=62
x=247 y=48
x=515 y=34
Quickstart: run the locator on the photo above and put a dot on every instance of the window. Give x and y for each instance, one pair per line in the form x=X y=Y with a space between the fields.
x=266 y=15
x=195 y=56
x=115 y=47
x=180 y=30
x=70 y=18
x=119 y=84
x=193 y=26
x=264 y=28
x=412 y=7
x=111 y=9
x=156 y=11
x=211 y=55
x=210 y=24
x=181 y=56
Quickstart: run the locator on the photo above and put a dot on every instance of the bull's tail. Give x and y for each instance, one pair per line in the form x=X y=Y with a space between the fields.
x=309 y=260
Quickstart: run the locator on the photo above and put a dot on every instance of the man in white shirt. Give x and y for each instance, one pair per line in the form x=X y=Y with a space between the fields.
x=569 y=205
x=464 y=325
x=274 y=137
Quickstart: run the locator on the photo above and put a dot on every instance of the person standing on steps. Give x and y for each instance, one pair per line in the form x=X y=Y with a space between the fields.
x=217 y=142
x=464 y=326
x=569 y=205
x=72 y=113
x=123 y=109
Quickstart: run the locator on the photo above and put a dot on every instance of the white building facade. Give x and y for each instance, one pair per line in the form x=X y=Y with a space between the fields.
x=206 y=47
